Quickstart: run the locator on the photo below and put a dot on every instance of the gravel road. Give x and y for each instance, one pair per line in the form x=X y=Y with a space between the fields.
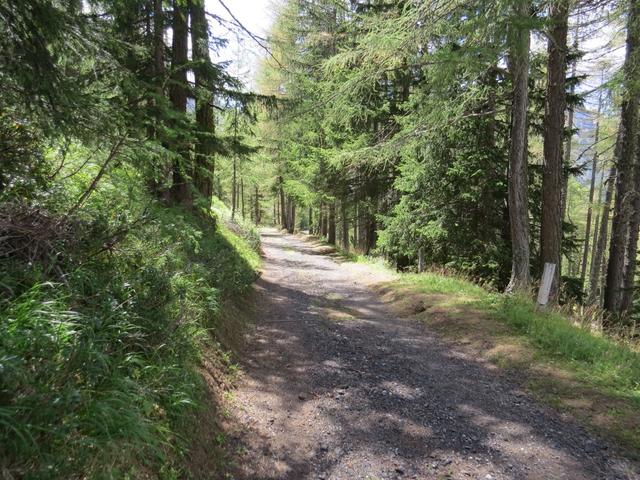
x=334 y=386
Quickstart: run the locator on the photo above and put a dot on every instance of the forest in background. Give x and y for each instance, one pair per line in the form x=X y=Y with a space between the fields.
x=486 y=138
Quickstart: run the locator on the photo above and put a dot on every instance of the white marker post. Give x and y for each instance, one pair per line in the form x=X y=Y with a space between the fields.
x=545 y=283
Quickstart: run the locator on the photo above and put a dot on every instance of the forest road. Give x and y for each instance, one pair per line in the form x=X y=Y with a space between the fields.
x=335 y=386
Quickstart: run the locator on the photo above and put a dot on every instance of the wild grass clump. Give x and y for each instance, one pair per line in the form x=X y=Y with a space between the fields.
x=100 y=345
x=241 y=227
x=604 y=361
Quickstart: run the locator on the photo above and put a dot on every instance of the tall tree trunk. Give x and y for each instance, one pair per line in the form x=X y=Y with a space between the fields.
x=568 y=142
x=629 y=279
x=325 y=223
x=625 y=159
x=283 y=206
x=257 y=214
x=371 y=236
x=553 y=170
x=594 y=243
x=242 y=197
x=158 y=188
x=275 y=212
x=592 y=190
x=178 y=91
x=332 y=223
x=203 y=168
x=518 y=178
x=291 y=222
x=597 y=261
x=310 y=219
x=345 y=224
x=234 y=188
x=355 y=224
x=158 y=44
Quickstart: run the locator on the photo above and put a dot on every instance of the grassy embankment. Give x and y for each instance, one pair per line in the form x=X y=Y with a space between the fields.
x=106 y=329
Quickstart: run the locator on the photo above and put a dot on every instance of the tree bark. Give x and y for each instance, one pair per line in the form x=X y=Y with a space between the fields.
x=628 y=282
x=234 y=188
x=291 y=222
x=597 y=261
x=421 y=262
x=332 y=223
x=345 y=224
x=158 y=44
x=283 y=206
x=203 y=168
x=592 y=190
x=518 y=178
x=324 y=227
x=568 y=141
x=553 y=169
x=242 y=197
x=625 y=158
x=178 y=91
x=355 y=225
x=275 y=212
x=257 y=214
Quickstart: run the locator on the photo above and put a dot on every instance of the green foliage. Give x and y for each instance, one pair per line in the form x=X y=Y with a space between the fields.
x=98 y=366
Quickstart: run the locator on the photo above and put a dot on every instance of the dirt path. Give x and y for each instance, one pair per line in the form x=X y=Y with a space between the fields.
x=336 y=387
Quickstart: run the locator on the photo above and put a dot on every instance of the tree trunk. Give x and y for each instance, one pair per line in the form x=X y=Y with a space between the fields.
x=629 y=279
x=283 y=205
x=421 y=262
x=178 y=90
x=203 y=168
x=596 y=229
x=324 y=224
x=158 y=44
x=592 y=190
x=291 y=221
x=553 y=169
x=568 y=141
x=332 y=223
x=242 y=210
x=158 y=188
x=362 y=229
x=371 y=235
x=518 y=179
x=345 y=224
x=257 y=214
x=275 y=212
x=234 y=189
x=597 y=260
x=619 y=254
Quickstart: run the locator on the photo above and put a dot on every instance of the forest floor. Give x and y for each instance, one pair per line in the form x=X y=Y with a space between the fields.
x=336 y=385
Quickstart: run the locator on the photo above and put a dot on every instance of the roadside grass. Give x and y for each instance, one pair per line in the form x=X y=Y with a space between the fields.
x=590 y=376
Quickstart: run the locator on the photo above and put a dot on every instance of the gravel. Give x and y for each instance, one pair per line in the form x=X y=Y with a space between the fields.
x=335 y=386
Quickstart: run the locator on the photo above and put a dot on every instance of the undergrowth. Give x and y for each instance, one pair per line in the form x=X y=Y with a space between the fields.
x=100 y=344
